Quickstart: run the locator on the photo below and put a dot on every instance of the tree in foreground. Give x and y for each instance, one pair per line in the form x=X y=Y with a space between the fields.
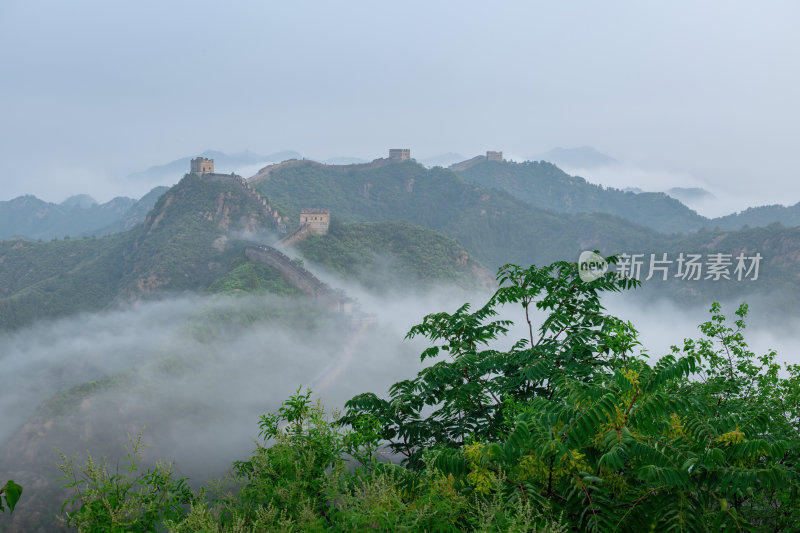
x=573 y=419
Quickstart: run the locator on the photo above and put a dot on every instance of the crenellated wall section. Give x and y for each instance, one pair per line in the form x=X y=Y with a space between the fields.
x=300 y=278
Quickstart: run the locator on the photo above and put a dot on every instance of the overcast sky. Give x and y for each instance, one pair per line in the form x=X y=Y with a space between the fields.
x=94 y=90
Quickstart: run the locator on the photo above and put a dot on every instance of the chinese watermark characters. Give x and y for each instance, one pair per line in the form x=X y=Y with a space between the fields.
x=683 y=266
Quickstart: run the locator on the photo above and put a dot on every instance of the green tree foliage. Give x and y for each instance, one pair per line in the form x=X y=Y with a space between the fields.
x=705 y=439
x=122 y=502
x=305 y=478
x=468 y=389
x=383 y=255
x=570 y=428
x=246 y=276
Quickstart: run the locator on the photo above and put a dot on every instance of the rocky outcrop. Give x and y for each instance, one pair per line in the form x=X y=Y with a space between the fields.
x=247 y=188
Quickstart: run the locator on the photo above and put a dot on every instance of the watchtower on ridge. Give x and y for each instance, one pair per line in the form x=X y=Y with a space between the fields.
x=201 y=165
x=318 y=220
x=400 y=154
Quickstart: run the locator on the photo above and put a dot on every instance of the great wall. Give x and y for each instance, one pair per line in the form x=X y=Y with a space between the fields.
x=464 y=165
x=312 y=221
x=300 y=278
x=205 y=169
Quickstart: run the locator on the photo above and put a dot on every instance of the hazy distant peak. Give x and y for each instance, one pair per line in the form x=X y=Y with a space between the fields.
x=171 y=172
x=83 y=201
x=211 y=154
x=581 y=157
x=690 y=193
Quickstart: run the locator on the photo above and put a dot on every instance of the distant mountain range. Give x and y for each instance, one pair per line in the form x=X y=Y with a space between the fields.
x=393 y=222
x=541 y=184
x=31 y=218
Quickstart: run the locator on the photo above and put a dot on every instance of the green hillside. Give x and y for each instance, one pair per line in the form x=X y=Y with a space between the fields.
x=492 y=225
x=193 y=240
x=394 y=225
x=182 y=245
x=60 y=278
x=761 y=216
x=777 y=281
x=135 y=214
x=545 y=185
x=186 y=240
x=384 y=255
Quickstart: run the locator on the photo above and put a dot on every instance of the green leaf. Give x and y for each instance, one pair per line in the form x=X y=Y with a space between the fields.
x=11 y=492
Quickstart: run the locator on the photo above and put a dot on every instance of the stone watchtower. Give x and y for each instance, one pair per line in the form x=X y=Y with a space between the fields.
x=318 y=220
x=201 y=165
x=494 y=156
x=400 y=154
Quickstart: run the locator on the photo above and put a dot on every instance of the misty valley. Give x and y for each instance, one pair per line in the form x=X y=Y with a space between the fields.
x=389 y=345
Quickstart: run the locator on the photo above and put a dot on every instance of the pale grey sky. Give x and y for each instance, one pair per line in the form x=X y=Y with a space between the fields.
x=94 y=90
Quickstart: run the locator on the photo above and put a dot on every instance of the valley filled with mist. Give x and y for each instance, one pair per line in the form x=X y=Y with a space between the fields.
x=168 y=322
x=430 y=267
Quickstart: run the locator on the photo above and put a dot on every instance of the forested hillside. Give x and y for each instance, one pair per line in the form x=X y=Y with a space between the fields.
x=193 y=240
x=393 y=255
x=545 y=185
x=492 y=225
x=182 y=245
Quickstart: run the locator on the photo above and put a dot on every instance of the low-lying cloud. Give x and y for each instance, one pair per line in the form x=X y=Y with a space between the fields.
x=198 y=371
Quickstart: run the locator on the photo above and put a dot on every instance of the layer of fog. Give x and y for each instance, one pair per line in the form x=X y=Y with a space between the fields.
x=199 y=380
x=200 y=396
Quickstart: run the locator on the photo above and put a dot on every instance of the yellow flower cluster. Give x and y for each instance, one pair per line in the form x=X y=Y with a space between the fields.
x=479 y=476
x=676 y=426
x=732 y=437
x=531 y=467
